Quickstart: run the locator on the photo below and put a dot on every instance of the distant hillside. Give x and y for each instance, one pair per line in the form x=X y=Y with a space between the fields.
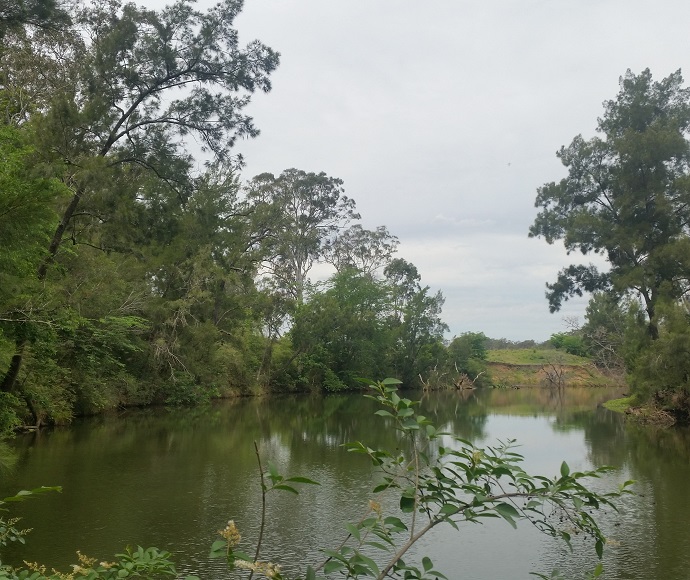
x=533 y=367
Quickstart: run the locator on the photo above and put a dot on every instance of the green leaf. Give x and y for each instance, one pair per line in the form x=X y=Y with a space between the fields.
x=354 y=531
x=218 y=549
x=391 y=381
x=333 y=566
x=565 y=470
x=286 y=488
x=427 y=564
x=383 y=487
x=407 y=504
x=368 y=562
x=396 y=524
x=508 y=513
x=449 y=510
x=599 y=547
x=410 y=424
x=378 y=546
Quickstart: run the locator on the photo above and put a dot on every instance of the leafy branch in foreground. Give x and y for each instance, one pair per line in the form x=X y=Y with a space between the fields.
x=449 y=483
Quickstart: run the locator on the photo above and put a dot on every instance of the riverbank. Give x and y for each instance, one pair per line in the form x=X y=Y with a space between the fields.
x=515 y=368
x=665 y=408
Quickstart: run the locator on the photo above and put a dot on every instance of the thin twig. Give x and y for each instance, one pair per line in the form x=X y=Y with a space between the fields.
x=401 y=552
x=263 y=508
x=416 y=486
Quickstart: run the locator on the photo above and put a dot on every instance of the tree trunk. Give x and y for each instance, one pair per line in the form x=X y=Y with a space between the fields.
x=59 y=232
x=10 y=378
x=650 y=308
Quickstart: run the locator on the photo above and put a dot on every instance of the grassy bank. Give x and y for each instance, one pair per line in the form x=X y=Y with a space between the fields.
x=534 y=367
x=620 y=405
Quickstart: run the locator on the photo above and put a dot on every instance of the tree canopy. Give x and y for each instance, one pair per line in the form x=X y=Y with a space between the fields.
x=626 y=197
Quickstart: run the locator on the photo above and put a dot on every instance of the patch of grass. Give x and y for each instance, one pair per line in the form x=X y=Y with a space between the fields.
x=532 y=367
x=620 y=405
x=534 y=356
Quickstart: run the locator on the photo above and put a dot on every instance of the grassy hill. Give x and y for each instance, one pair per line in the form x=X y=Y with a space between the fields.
x=532 y=367
x=534 y=356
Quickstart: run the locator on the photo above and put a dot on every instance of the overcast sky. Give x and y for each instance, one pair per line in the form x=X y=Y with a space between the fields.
x=443 y=117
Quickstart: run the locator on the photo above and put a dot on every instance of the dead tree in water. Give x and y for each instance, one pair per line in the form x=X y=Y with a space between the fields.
x=464 y=379
x=554 y=375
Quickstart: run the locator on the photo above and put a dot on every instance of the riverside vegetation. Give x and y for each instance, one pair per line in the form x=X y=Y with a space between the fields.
x=134 y=274
x=437 y=480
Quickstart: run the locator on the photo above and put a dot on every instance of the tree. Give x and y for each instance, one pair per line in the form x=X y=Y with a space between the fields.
x=200 y=259
x=572 y=342
x=467 y=356
x=341 y=334
x=626 y=197
x=146 y=81
x=39 y=13
x=607 y=321
x=662 y=367
x=115 y=104
x=419 y=336
x=27 y=216
x=305 y=209
x=26 y=207
x=414 y=317
x=404 y=278
x=364 y=250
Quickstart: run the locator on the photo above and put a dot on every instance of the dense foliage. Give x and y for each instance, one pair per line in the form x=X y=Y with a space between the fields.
x=137 y=265
x=627 y=197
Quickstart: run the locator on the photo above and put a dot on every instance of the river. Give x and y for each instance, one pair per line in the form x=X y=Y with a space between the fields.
x=173 y=477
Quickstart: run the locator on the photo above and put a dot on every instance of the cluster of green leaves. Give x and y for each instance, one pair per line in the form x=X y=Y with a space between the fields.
x=572 y=343
x=361 y=325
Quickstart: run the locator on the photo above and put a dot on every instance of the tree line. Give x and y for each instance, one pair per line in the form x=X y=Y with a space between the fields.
x=132 y=273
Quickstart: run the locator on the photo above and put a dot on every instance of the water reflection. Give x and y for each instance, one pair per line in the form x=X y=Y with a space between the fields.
x=171 y=478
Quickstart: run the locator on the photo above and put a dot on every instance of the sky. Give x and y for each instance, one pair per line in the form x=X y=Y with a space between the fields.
x=443 y=117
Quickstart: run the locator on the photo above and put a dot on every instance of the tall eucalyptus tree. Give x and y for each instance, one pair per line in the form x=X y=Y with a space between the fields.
x=305 y=209
x=365 y=250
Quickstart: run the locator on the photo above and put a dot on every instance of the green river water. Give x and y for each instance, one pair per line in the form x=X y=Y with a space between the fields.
x=172 y=478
